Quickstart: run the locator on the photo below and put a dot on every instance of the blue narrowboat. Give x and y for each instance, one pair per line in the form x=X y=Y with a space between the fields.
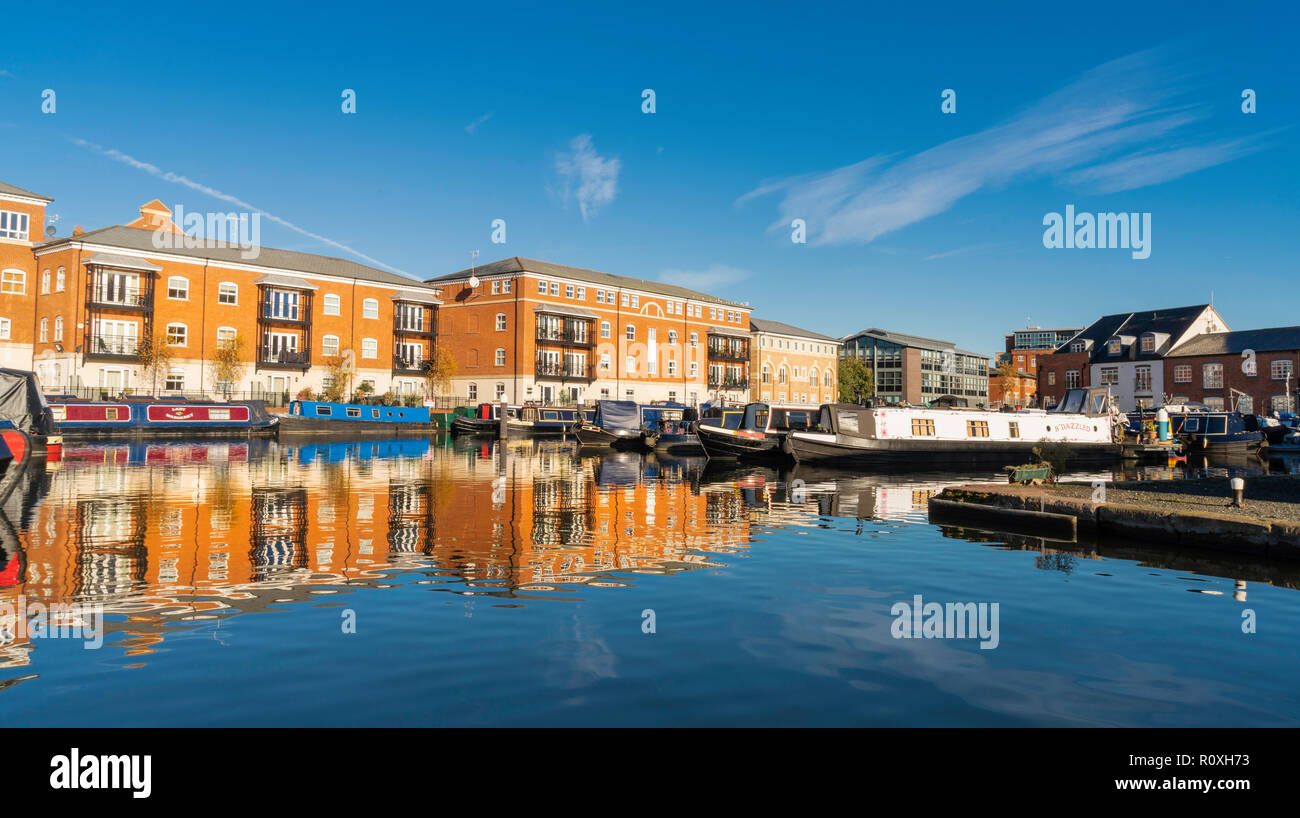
x=1221 y=433
x=323 y=417
x=547 y=420
x=672 y=426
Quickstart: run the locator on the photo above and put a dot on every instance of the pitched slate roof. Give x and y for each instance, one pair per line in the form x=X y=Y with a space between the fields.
x=14 y=190
x=517 y=264
x=142 y=240
x=1269 y=339
x=1172 y=322
x=765 y=325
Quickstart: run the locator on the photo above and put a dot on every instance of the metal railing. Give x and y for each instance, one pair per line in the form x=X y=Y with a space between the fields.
x=564 y=369
x=120 y=345
x=728 y=383
x=415 y=366
x=565 y=336
x=293 y=357
x=131 y=298
x=728 y=353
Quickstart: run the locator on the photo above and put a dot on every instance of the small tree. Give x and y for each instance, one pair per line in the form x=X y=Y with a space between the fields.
x=442 y=366
x=155 y=355
x=1006 y=378
x=228 y=364
x=855 y=380
x=364 y=390
x=338 y=375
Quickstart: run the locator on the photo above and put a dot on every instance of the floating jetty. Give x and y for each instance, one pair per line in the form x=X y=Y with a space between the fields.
x=1194 y=513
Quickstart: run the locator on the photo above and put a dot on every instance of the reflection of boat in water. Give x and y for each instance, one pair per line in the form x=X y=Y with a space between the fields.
x=321 y=417
x=915 y=436
x=338 y=451
x=486 y=420
x=758 y=433
x=160 y=418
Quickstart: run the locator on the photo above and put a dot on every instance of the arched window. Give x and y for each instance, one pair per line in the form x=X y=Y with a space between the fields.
x=369 y=348
x=780 y=375
x=631 y=332
x=812 y=379
x=672 y=336
x=370 y=308
x=501 y=322
x=178 y=288
x=330 y=304
x=58 y=328
x=45 y=330
x=60 y=280
x=228 y=293
x=501 y=357
x=45 y=282
x=329 y=345
x=767 y=374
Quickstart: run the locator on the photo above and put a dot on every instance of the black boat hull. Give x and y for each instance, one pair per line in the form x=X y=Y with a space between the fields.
x=589 y=435
x=724 y=446
x=474 y=426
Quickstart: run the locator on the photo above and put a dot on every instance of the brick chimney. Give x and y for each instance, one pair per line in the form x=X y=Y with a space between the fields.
x=155 y=216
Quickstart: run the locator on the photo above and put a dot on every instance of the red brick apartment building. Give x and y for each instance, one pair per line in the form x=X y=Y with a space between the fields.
x=530 y=330
x=1177 y=355
x=1253 y=370
x=78 y=308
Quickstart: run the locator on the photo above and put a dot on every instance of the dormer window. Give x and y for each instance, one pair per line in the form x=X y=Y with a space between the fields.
x=1078 y=346
x=1149 y=342
x=1114 y=346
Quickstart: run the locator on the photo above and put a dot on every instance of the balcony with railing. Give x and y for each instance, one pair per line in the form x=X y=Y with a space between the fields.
x=728 y=381
x=575 y=335
x=407 y=365
x=566 y=370
x=121 y=299
x=412 y=325
x=121 y=347
x=282 y=358
x=736 y=351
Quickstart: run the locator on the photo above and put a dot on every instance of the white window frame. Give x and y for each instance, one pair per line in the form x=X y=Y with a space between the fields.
x=223 y=292
x=372 y=345
x=331 y=304
x=185 y=333
x=15 y=225
x=12 y=277
x=500 y=356
x=184 y=288
x=325 y=345
x=370 y=308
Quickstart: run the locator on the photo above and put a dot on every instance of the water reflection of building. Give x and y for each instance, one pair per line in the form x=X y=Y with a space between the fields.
x=110 y=556
x=278 y=531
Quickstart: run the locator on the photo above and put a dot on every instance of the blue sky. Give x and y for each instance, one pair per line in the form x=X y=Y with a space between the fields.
x=918 y=221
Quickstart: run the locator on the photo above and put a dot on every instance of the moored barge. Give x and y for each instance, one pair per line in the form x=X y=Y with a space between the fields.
x=159 y=418
x=309 y=417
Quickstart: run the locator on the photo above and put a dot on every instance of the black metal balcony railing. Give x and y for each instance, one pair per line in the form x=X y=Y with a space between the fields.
x=565 y=369
x=288 y=357
x=565 y=336
x=132 y=299
x=728 y=353
x=414 y=366
x=125 y=346
x=728 y=383
x=270 y=312
x=406 y=326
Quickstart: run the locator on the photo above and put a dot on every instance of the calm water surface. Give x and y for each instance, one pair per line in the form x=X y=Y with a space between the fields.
x=508 y=585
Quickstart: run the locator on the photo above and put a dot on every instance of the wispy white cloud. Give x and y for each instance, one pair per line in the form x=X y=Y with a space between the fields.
x=167 y=176
x=1099 y=132
x=587 y=176
x=471 y=127
x=5 y=73
x=715 y=275
x=957 y=252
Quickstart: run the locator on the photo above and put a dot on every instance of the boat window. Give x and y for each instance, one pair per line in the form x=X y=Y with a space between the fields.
x=1014 y=431
x=110 y=413
x=550 y=415
x=218 y=414
x=354 y=412
x=922 y=427
x=1192 y=425
x=323 y=410
x=977 y=428
x=1216 y=425
x=848 y=421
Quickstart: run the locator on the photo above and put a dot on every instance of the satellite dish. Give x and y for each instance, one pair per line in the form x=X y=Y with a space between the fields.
x=473 y=282
x=50 y=230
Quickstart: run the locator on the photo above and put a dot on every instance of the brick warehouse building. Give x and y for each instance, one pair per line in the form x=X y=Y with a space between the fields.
x=1208 y=368
x=22 y=220
x=530 y=330
x=91 y=299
